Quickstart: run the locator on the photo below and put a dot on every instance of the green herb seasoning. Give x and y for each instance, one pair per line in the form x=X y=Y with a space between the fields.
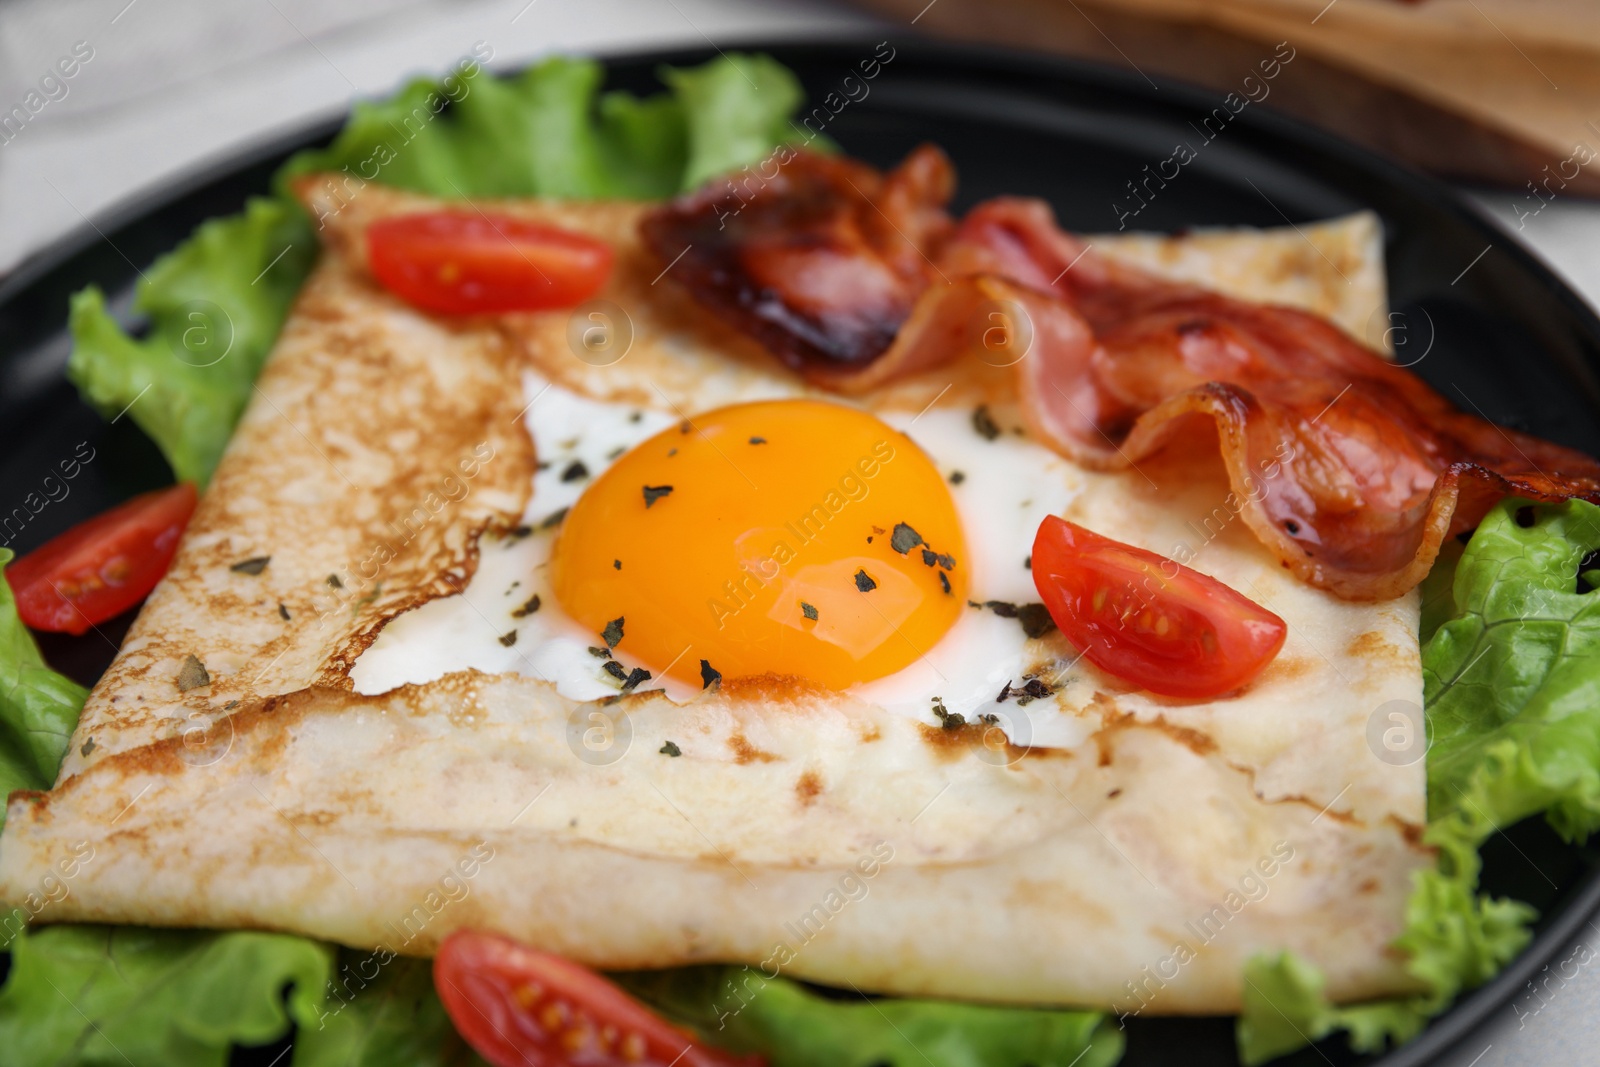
x=904 y=539
x=193 y=674
x=709 y=675
x=1035 y=620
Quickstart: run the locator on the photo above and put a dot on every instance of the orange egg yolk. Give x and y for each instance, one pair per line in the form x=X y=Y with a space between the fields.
x=796 y=538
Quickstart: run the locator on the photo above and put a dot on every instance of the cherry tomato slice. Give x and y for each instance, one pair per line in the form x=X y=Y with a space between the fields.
x=519 y=1007
x=1148 y=619
x=101 y=568
x=470 y=263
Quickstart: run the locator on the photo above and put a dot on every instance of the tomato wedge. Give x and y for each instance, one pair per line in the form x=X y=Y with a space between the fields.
x=101 y=568
x=519 y=1007
x=1148 y=619
x=471 y=263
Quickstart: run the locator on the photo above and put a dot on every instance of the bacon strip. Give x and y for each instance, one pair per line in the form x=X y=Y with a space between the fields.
x=822 y=262
x=1350 y=469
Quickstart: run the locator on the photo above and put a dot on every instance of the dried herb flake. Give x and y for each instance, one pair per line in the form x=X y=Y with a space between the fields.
x=652 y=493
x=252 y=566
x=709 y=675
x=864 y=582
x=533 y=604
x=670 y=749
x=613 y=632
x=984 y=423
x=576 y=471
x=808 y=611
x=904 y=539
x=1035 y=620
x=193 y=674
x=508 y=638
x=615 y=669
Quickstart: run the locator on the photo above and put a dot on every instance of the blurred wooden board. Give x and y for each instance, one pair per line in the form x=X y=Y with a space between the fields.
x=1487 y=91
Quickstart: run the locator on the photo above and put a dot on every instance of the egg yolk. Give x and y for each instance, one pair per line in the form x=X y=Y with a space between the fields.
x=793 y=537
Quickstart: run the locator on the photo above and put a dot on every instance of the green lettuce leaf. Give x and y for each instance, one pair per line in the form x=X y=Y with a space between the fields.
x=1511 y=675
x=98 y=996
x=216 y=303
x=214 y=306
x=383 y=1013
x=38 y=707
x=737 y=112
x=1513 y=682
x=739 y=1009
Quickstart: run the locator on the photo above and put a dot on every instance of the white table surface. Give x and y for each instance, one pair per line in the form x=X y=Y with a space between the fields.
x=176 y=84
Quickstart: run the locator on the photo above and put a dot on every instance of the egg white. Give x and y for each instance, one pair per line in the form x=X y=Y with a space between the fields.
x=1002 y=488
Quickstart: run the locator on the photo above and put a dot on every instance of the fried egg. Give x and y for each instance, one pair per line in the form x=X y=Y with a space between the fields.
x=881 y=554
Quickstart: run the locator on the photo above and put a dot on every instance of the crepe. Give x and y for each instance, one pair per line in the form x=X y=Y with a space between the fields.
x=1135 y=862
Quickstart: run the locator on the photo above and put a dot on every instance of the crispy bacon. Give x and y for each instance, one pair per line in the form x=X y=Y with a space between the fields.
x=1350 y=469
x=822 y=262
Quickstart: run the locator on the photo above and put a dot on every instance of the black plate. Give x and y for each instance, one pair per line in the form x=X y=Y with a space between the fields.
x=1501 y=332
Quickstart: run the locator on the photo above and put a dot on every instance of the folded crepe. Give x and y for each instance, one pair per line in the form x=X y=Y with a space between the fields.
x=228 y=774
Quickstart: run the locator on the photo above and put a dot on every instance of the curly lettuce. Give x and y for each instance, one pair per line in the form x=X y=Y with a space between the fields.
x=215 y=304
x=1511 y=676
x=38 y=707
x=792 y=1026
x=391 y=1019
x=104 y=996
